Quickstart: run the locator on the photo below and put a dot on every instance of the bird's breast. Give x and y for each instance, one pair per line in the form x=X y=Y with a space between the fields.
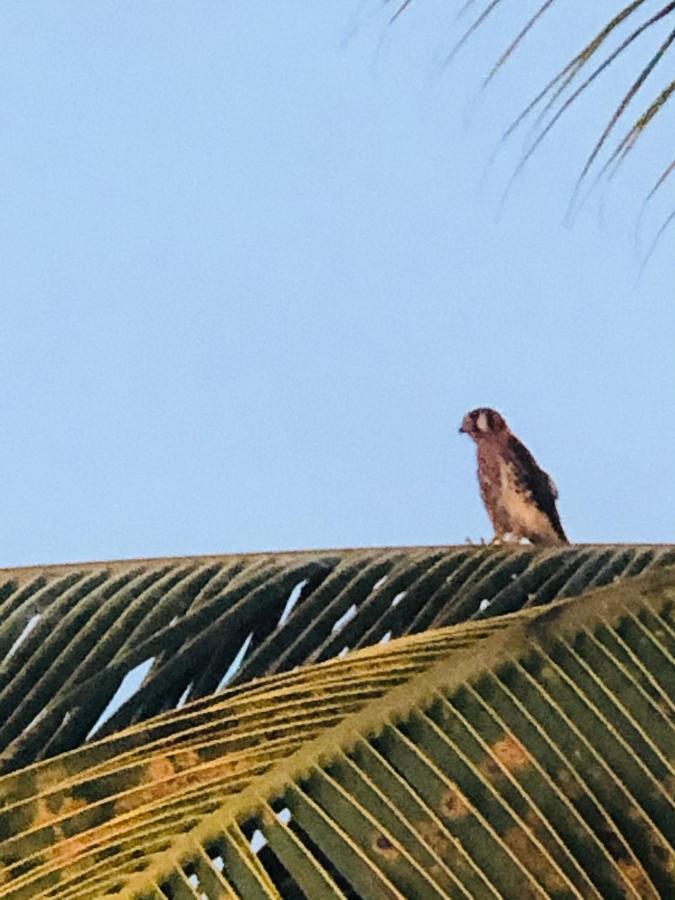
x=519 y=504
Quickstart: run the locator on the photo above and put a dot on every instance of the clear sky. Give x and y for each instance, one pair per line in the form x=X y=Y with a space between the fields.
x=254 y=273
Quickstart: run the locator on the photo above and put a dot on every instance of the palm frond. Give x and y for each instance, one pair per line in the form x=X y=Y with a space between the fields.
x=558 y=95
x=71 y=635
x=528 y=755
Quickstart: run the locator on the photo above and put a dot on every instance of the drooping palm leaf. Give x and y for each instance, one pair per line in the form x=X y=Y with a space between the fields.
x=597 y=57
x=69 y=635
x=522 y=756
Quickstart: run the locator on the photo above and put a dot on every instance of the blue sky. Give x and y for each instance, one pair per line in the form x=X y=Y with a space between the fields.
x=254 y=273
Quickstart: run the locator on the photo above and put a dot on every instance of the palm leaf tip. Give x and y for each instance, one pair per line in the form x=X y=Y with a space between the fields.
x=630 y=27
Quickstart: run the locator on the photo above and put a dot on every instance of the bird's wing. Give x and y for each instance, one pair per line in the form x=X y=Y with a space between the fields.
x=537 y=483
x=552 y=485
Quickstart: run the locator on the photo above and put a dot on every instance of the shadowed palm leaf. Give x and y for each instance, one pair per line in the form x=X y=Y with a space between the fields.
x=70 y=635
x=522 y=755
x=528 y=755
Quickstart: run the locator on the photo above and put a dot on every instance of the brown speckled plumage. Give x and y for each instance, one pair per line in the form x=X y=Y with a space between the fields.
x=518 y=495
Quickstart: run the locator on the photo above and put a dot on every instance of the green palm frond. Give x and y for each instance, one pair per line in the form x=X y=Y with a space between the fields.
x=528 y=755
x=69 y=635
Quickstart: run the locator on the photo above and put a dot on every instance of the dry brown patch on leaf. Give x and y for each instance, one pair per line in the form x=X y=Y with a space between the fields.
x=663 y=857
x=665 y=708
x=383 y=846
x=71 y=805
x=633 y=874
x=437 y=873
x=530 y=892
x=129 y=801
x=53 y=775
x=535 y=860
x=454 y=804
x=206 y=773
x=446 y=848
x=187 y=759
x=159 y=768
x=103 y=836
x=69 y=850
x=157 y=777
x=511 y=753
x=434 y=837
x=46 y=814
x=669 y=785
x=169 y=781
x=43 y=815
x=569 y=784
x=639 y=817
x=211 y=771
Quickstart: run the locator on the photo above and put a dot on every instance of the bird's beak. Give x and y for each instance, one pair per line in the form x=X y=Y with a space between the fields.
x=463 y=428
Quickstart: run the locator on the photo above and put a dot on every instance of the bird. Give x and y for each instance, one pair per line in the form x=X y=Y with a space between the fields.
x=519 y=496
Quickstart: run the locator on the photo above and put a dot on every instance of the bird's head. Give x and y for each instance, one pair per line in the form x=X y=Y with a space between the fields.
x=483 y=423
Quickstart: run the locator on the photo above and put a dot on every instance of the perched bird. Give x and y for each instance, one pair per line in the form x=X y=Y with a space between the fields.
x=518 y=495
